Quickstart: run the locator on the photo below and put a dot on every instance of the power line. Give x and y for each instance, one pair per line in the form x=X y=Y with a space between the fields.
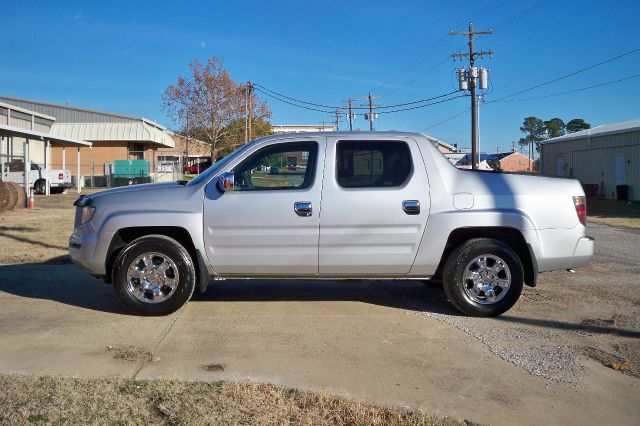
x=446 y=120
x=290 y=103
x=273 y=93
x=523 y=14
x=575 y=90
x=435 y=46
x=567 y=75
x=332 y=112
x=422 y=106
x=294 y=99
x=537 y=97
x=418 y=77
x=418 y=102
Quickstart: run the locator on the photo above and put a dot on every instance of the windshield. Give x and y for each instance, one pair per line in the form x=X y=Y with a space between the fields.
x=211 y=171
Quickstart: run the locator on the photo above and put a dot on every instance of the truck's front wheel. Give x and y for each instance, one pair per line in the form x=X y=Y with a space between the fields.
x=154 y=275
x=483 y=277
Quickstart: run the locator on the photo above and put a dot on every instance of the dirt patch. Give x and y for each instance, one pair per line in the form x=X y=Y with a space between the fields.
x=130 y=353
x=52 y=400
x=615 y=361
x=213 y=367
x=598 y=322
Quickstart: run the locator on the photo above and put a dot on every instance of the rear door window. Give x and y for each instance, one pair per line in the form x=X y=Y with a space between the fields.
x=372 y=164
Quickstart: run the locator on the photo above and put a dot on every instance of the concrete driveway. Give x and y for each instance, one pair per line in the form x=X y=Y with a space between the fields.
x=380 y=341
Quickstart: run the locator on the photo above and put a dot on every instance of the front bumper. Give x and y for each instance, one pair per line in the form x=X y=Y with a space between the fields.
x=89 y=249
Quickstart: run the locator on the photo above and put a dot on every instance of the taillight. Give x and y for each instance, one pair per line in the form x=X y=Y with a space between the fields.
x=581 y=208
x=60 y=176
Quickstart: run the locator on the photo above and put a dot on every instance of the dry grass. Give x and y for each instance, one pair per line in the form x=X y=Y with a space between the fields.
x=52 y=400
x=38 y=235
x=614 y=213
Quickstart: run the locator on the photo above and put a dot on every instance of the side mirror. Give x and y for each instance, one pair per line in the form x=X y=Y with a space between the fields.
x=225 y=182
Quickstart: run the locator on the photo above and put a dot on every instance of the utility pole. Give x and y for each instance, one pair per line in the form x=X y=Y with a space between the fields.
x=350 y=115
x=248 y=108
x=472 y=75
x=338 y=121
x=246 y=115
x=371 y=116
x=323 y=124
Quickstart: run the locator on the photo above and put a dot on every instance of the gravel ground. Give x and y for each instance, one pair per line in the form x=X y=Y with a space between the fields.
x=592 y=313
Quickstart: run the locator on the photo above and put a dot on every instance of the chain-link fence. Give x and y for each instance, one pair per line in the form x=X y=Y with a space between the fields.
x=116 y=173
x=126 y=172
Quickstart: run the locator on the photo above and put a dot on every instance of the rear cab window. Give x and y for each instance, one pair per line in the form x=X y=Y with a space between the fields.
x=373 y=164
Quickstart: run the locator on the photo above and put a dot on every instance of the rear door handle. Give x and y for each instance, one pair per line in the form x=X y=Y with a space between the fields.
x=303 y=208
x=411 y=207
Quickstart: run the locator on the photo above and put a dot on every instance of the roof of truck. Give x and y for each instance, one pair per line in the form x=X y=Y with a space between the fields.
x=359 y=134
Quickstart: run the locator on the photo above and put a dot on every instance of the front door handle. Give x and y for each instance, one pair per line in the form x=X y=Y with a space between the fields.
x=411 y=207
x=303 y=208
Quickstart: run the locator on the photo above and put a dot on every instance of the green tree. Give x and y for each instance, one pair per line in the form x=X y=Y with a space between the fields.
x=555 y=127
x=534 y=131
x=577 y=124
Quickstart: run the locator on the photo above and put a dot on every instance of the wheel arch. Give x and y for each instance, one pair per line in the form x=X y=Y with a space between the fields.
x=36 y=182
x=124 y=236
x=510 y=236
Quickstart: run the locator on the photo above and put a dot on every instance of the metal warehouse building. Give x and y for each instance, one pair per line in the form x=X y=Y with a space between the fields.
x=607 y=156
x=114 y=136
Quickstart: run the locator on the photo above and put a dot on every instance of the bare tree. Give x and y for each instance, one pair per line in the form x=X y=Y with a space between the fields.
x=206 y=102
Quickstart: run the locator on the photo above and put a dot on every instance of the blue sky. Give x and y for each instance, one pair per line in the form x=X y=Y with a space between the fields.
x=119 y=56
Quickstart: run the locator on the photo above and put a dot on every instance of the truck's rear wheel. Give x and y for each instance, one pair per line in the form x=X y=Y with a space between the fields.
x=483 y=277
x=40 y=186
x=154 y=275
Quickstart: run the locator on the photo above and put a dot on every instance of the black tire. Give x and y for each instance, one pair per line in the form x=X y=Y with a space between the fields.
x=169 y=248
x=454 y=284
x=40 y=186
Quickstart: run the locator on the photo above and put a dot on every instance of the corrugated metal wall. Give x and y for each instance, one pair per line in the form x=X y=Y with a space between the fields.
x=65 y=114
x=592 y=160
x=23 y=121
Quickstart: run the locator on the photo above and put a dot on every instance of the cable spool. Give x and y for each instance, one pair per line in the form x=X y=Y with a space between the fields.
x=11 y=196
x=4 y=197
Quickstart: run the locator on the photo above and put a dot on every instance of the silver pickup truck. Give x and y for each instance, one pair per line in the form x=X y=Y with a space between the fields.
x=381 y=205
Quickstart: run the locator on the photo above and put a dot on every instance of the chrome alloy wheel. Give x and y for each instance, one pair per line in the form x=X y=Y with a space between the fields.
x=152 y=278
x=486 y=279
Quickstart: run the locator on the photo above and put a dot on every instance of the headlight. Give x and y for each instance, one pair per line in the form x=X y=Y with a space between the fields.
x=87 y=214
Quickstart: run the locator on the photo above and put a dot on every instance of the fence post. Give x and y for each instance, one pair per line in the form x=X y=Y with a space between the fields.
x=27 y=168
x=91 y=168
x=2 y=139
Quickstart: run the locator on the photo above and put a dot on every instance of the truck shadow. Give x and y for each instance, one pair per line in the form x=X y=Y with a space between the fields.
x=60 y=281
x=400 y=294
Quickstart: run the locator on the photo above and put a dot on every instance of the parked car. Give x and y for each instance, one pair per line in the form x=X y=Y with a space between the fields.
x=196 y=168
x=392 y=208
